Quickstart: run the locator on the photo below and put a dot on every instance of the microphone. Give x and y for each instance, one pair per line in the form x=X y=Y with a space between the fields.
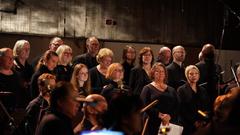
x=149 y=106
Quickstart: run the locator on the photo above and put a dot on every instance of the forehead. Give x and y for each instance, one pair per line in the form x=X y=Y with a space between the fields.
x=93 y=41
x=192 y=70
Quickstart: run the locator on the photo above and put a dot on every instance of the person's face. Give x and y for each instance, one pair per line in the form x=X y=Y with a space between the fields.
x=70 y=106
x=52 y=63
x=147 y=58
x=193 y=76
x=131 y=54
x=106 y=61
x=7 y=60
x=83 y=74
x=24 y=54
x=93 y=46
x=179 y=54
x=167 y=57
x=66 y=56
x=117 y=74
x=55 y=44
x=159 y=74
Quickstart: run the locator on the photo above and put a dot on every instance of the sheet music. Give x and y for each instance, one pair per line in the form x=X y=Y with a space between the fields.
x=174 y=129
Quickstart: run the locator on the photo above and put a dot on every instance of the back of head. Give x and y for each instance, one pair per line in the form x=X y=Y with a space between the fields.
x=59 y=93
x=208 y=52
x=226 y=107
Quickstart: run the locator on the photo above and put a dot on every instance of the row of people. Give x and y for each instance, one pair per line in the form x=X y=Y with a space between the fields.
x=58 y=62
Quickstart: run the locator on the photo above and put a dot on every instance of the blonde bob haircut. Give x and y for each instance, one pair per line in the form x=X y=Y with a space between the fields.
x=63 y=48
x=111 y=69
x=19 y=46
x=104 y=52
x=190 y=67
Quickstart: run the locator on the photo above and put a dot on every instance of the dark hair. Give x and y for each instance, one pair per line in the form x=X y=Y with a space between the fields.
x=153 y=70
x=59 y=93
x=142 y=52
x=125 y=50
x=122 y=107
x=47 y=56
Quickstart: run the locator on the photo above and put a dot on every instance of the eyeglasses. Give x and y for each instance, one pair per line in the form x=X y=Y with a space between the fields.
x=67 y=53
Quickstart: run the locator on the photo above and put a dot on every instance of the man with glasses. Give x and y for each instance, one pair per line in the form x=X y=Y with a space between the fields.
x=55 y=42
x=89 y=58
x=176 y=69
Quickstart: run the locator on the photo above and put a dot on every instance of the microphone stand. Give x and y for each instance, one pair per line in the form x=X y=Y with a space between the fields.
x=235 y=77
x=153 y=103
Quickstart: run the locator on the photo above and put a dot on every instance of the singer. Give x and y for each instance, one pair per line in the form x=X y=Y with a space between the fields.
x=37 y=107
x=116 y=86
x=193 y=98
x=166 y=110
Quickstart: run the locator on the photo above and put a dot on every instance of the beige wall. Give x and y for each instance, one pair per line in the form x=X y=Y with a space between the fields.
x=40 y=43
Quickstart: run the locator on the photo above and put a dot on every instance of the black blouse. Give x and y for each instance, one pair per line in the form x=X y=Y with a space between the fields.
x=168 y=103
x=98 y=80
x=138 y=79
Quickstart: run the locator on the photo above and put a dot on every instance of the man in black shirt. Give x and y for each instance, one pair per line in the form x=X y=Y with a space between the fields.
x=63 y=108
x=176 y=69
x=89 y=58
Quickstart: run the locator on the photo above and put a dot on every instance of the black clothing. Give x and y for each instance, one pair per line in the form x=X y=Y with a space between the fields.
x=113 y=90
x=34 y=81
x=216 y=128
x=127 y=70
x=55 y=123
x=36 y=60
x=168 y=104
x=10 y=83
x=63 y=73
x=191 y=102
x=34 y=113
x=208 y=74
x=25 y=72
x=176 y=76
x=98 y=80
x=138 y=79
x=86 y=59
x=82 y=91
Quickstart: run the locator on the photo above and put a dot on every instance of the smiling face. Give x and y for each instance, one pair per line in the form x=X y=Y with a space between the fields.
x=7 y=60
x=25 y=51
x=147 y=57
x=83 y=74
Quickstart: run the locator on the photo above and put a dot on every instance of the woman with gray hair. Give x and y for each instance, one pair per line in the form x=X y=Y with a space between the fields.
x=21 y=51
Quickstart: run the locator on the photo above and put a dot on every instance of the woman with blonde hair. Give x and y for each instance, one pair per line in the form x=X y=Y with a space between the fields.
x=64 y=68
x=97 y=74
x=81 y=79
x=194 y=98
x=115 y=86
x=167 y=109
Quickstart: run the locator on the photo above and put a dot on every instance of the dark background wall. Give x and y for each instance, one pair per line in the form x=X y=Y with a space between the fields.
x=187 y=22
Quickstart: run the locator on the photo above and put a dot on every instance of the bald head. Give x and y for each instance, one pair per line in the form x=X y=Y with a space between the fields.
x=164 y=55
x=6 y=58
x=178 y=53
x=55 y=43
